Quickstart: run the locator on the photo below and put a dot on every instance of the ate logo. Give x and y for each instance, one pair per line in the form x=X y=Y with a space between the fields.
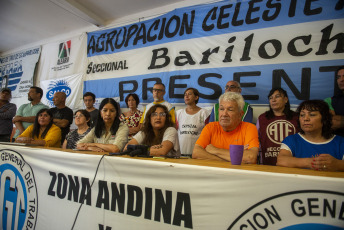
x=278 y=130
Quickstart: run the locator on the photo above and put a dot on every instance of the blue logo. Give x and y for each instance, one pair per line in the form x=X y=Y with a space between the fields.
x=18 y=193
x=57 y=86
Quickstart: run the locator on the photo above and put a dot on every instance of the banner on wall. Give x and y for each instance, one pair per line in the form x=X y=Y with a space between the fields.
x=69 y=85
x=62 y=58
x=16 y=71
x=44 y=189
x=296 y=45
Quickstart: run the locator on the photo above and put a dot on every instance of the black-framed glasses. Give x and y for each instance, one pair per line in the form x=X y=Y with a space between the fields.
x=158 y=90
x=230 y=87
x=155 y=114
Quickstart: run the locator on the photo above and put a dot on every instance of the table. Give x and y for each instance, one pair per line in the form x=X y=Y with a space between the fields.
x=48 y=188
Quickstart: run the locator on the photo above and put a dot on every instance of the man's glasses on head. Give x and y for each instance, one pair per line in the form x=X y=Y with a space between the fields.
x=158 y=114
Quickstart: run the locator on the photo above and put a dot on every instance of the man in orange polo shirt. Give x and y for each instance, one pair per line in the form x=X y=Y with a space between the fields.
x=213 y=144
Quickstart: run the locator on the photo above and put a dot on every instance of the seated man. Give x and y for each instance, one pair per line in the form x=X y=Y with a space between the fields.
x=213 y=144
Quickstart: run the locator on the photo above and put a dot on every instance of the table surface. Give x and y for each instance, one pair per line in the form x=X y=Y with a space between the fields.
x=223 y=164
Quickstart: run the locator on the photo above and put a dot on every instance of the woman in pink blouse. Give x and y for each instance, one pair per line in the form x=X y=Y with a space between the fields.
x=133 y=116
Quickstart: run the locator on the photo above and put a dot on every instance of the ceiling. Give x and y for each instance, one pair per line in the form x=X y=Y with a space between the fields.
x=34 y=22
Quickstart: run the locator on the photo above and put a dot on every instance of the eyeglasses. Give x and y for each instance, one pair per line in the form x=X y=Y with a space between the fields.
x=230 y=87
x=155 y=114
x=158 y=90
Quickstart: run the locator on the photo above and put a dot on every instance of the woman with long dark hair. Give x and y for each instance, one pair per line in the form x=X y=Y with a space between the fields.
x=43 y=132
x=315 y=147
x=109 y=134
x=158 y=133
x=274 y=125
x=82 y=120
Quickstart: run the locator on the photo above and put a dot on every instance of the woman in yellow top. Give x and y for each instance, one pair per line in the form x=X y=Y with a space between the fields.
x=43 y=132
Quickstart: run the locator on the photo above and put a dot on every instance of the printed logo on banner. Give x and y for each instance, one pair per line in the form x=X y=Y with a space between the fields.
x=18 y=192
x=64 y=52
x=11 y=75
x=304 y=209
x=57 y=86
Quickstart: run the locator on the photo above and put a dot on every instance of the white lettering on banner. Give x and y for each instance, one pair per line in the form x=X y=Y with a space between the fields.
x=18 y=192
x=315 y=207
x=120 y=197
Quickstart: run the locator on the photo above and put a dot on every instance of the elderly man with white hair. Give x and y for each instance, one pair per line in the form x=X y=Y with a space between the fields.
x=213 y=144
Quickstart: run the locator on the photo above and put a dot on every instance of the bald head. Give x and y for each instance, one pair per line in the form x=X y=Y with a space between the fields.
x=233 y=86
x=59 y=99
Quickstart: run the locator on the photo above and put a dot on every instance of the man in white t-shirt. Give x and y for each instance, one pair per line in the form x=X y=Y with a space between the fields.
x=158 y=96
x=190 y=122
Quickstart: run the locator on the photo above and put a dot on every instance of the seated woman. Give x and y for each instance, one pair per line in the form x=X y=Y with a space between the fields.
x=109 y=134
x=274 y=125
x=83 y=121
x=158 y=133
x=315 y=147
x=43 y=132
x=133 y=116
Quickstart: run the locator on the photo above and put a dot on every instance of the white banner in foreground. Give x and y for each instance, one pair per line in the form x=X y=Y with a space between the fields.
x=44 y=189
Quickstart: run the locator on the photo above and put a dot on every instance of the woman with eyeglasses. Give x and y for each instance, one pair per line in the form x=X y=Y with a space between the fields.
x=82 y=120
x=109 y=134
x=158 y=133
x=274 y=125
x=43 y=132
x=133 y=116
x=315 y=146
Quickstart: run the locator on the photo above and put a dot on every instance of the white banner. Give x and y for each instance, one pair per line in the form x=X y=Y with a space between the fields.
x=16 y=71
x=71 y=85
x=63 y=58
x=44 y=189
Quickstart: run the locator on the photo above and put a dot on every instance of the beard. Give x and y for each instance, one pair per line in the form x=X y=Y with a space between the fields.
x=30 y=98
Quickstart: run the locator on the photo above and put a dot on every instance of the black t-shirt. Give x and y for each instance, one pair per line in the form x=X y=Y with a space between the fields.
x=64 y=113
x=94 y=116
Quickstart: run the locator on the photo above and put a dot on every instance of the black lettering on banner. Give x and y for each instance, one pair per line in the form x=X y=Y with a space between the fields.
x=212 y=14
x=141 y=35
x=122 y=91
x=215 y=87
x=118 y=197
x=101 y=227
x=146 y=89
x=229 y=50
x=154 y=25
x=327 y=206
x=223 y=15
x=103 y=195
x=341 y=212
x=100 y=48
x=132 y=30
x=305 y=82
x=308 y=8
x=292 y=50
x=252 y=9
x=134 y=194
x=177 y=25
x=187 y=27
x=206 y=54
x=163 y=206
x=277 y=45
x=109 y=40
x=187 y=57
x=166 y=59
x=292 y=8
x=272 y=214
x=172 y=86
x=247 y=48
x=149 y=203
x=119 y=45
x=339 y=5
x=182 y=210
x=326 y=40
x=52 y=184
x=312 y=206
x=74 y=188
x=276 y=6
x=299 y=210
x=85 y=194
x=238 y=75
x=61 y=186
